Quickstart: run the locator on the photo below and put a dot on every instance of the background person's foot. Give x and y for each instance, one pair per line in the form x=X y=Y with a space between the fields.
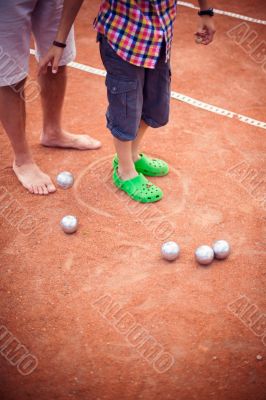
x=33 y=179
x=70 y=141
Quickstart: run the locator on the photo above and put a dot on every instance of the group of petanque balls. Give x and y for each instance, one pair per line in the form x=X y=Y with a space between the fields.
x=170 y=251
x=204 y=254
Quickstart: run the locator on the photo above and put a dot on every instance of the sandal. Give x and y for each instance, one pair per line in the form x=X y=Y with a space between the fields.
x=138 y=188
x=148 y=166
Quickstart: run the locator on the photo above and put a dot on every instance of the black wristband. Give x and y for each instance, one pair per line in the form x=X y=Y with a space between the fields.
x=208 y=12
x=59 y=44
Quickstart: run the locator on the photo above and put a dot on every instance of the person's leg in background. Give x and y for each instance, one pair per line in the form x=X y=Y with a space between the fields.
x=14 y=52
x=45 y=22
x=157 y=92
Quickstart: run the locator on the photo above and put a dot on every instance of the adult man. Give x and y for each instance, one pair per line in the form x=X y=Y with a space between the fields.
x=18 y=18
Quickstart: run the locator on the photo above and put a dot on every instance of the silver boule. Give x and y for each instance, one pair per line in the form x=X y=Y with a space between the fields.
x=170 y=251
x=204 y=254
x=65 y=180
x=69 y=224
x=221 y=249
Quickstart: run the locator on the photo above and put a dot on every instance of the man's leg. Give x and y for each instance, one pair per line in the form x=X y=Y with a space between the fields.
x=13 y=118
x=14 y=54
x=45 y=20
x=53 y=88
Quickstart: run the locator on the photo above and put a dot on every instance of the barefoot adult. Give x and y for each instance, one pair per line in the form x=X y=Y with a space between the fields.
x=18 y=19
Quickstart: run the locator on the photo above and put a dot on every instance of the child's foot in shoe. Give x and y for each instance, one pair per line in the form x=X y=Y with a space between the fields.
x=138 y=188
x=148 y=166
x=125 y=176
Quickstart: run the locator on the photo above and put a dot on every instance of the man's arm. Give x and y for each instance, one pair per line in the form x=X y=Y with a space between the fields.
x=69 y=13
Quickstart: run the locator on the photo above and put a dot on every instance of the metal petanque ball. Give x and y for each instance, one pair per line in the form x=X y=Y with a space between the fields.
x=221 y=249
x=69 y=224
x=65 y=179
x=204 y=254
x=170 y=251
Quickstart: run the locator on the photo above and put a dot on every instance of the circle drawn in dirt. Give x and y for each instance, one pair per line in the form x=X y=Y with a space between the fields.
x=92 y=193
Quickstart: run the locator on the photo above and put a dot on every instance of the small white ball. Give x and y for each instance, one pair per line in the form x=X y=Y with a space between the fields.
x=204 y=254
x=221 y=249
x=65 y=179
x=170 y=251
x=69 y=224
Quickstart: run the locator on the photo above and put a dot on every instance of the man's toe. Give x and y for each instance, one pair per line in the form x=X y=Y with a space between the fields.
x=40 y=190
x=45 y=189
x=30 y=189
x=96 y=144
x=51 y=188
x=35 y=189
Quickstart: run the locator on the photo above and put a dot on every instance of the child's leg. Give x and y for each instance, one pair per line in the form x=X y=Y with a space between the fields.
x=135 y=144
x=128 y=153
x=125 y=95
x=125 y=83
x=126 y=168
x=156 y=93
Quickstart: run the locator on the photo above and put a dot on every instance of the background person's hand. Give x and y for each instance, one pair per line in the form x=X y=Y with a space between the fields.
x=205 y=31
x=52 y=58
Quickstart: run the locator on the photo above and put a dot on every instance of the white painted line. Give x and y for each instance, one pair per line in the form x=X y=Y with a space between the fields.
x=218 y=110
x=227 y=13
x=180 y=97
x=87 y=68
x=185 y=99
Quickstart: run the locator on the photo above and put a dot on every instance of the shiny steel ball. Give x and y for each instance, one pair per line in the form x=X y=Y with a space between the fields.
x=69 y=224
x=221 y=249
x=170 y=251
x=204 y=254
x=65 y=179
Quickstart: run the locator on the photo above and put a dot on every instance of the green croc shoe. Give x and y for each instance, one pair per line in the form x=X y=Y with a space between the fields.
x=138 y=188
x=148 y=166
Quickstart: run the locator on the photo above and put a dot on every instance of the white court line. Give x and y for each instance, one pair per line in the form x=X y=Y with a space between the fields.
x=227 y=13
x=181 y=97
x=185 y=99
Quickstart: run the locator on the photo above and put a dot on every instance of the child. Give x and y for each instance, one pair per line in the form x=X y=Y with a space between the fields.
x=135 y=39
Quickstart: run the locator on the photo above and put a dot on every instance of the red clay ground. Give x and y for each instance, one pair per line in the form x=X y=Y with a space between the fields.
x=51 y=283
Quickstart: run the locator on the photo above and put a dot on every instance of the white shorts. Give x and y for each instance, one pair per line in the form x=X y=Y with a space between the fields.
x=20 y=18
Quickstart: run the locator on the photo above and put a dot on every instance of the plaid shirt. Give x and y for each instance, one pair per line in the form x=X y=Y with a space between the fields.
x=136 y=29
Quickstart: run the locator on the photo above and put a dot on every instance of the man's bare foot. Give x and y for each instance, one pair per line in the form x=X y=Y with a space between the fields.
x=71 y=141
x=33 y=179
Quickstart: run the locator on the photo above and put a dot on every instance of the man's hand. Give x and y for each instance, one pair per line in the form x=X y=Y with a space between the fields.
x=52 y=58
x=206 y=30
x=54 y=55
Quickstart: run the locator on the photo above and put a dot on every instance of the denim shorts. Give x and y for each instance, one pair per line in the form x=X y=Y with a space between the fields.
x=135 y=93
